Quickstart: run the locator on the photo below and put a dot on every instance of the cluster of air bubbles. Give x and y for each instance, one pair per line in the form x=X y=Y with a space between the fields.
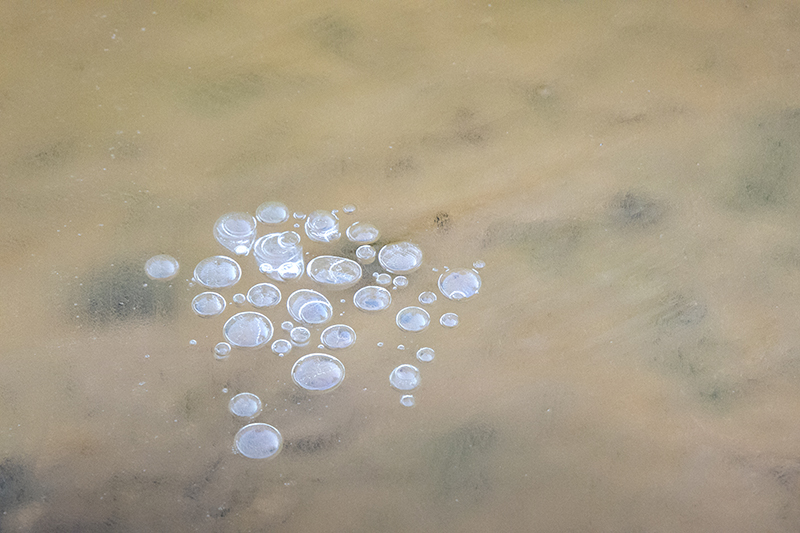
x=281 y=267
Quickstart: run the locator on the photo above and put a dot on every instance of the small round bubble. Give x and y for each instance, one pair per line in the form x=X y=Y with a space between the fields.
x=427 y=297
x=258 y=441
x=365 y=254
x=318 y=372
x=247 y=330
x=372 y=298
x=460 y=284
x=362 y=233
x=338 y=336
x=245 y=404
x=400 y=281
x=349 y=208
x=264 y=295
x=404 y=377
x=413 y=319
x=239 y=299
x=479 y=264
x=287 y=325
x=383 y=279
x=208 y=304
x=193 y=342
x=299 y=215
x=300 y=335
x=236 y=232
x=322 y=226
x=281 y=347
x=161 y=267
x=425 y=354
x=217 y=272
x=400 y=257
x=222 y=350
x=272 y=213
x=407 y=400
x=449 y=320
x=309 y=307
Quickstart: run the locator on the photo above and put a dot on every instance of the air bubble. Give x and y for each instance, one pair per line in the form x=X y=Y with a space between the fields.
x=248 y=330
x=318 y=372
x=413 y=319
x=349 y=208
x=425 y=354
x=300 y=336
x=338 y=336
x=222 y=350
x=404 y=377
x=449 y=320
x=362 y=233
x=479 y=264
x=400 y=281
x=299 y=215
x=407 y=400
x=365 y=254
x=236 y=232
x=208 y=304
x=245 y=404
x=383 y=279
x=258 y=441
x=309 y=307
x=161 y=267
x=322 y=226
x=272 y=213
x=372 y=298
x=239 y=299
x=264 y=295
x=217 y=272
x=334 y=272
x=281 y=347
x=427 y=297
x=400 y=257
x=459 y=284
x=279 y=255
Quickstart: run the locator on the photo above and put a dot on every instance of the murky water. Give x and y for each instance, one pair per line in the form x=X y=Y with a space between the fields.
x=627 y=171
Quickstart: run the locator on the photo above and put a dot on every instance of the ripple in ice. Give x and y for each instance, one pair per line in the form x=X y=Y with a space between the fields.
x=322 y=226
x=362 y=233
x=208 y=304
x=309 y=307
x=449 y=320
x=279 y=255
x=425 y=354
x=161 y=267
x=404 y=377
x=258 y=441
x=264 y=295
x=281 y=347
x=460 y=284
x=245 y=404
x=236 y=232
x=272 y=213
x=372 y=298
x=338 y=336
x=400 y=257
x=217 y=272
x=413 y=319
x=334 y=272
x=248 y=330
x=318 y=372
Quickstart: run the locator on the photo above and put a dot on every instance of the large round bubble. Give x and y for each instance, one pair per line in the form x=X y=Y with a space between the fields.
x=248 y=330
x=258 y=441
x=318 y=372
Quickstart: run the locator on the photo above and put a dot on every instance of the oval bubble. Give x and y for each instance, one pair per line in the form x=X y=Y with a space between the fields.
x=404 y=377
x=248 y=330
x=449 y=320
x=338 y=336
x=281 y=347
x=426 y=354
x=334 y=272
x=272 y=213
x=459 y=284
x=400 y=257
x=258 y=441
x=413 y=319
x=264 y=295
x=427 y=297
x=161 y=267
x=217 y=272
x=208 y=304
x=318 y=372
x=362 y=233
x=309 y=307
x=372 y=298
x=245 y=404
